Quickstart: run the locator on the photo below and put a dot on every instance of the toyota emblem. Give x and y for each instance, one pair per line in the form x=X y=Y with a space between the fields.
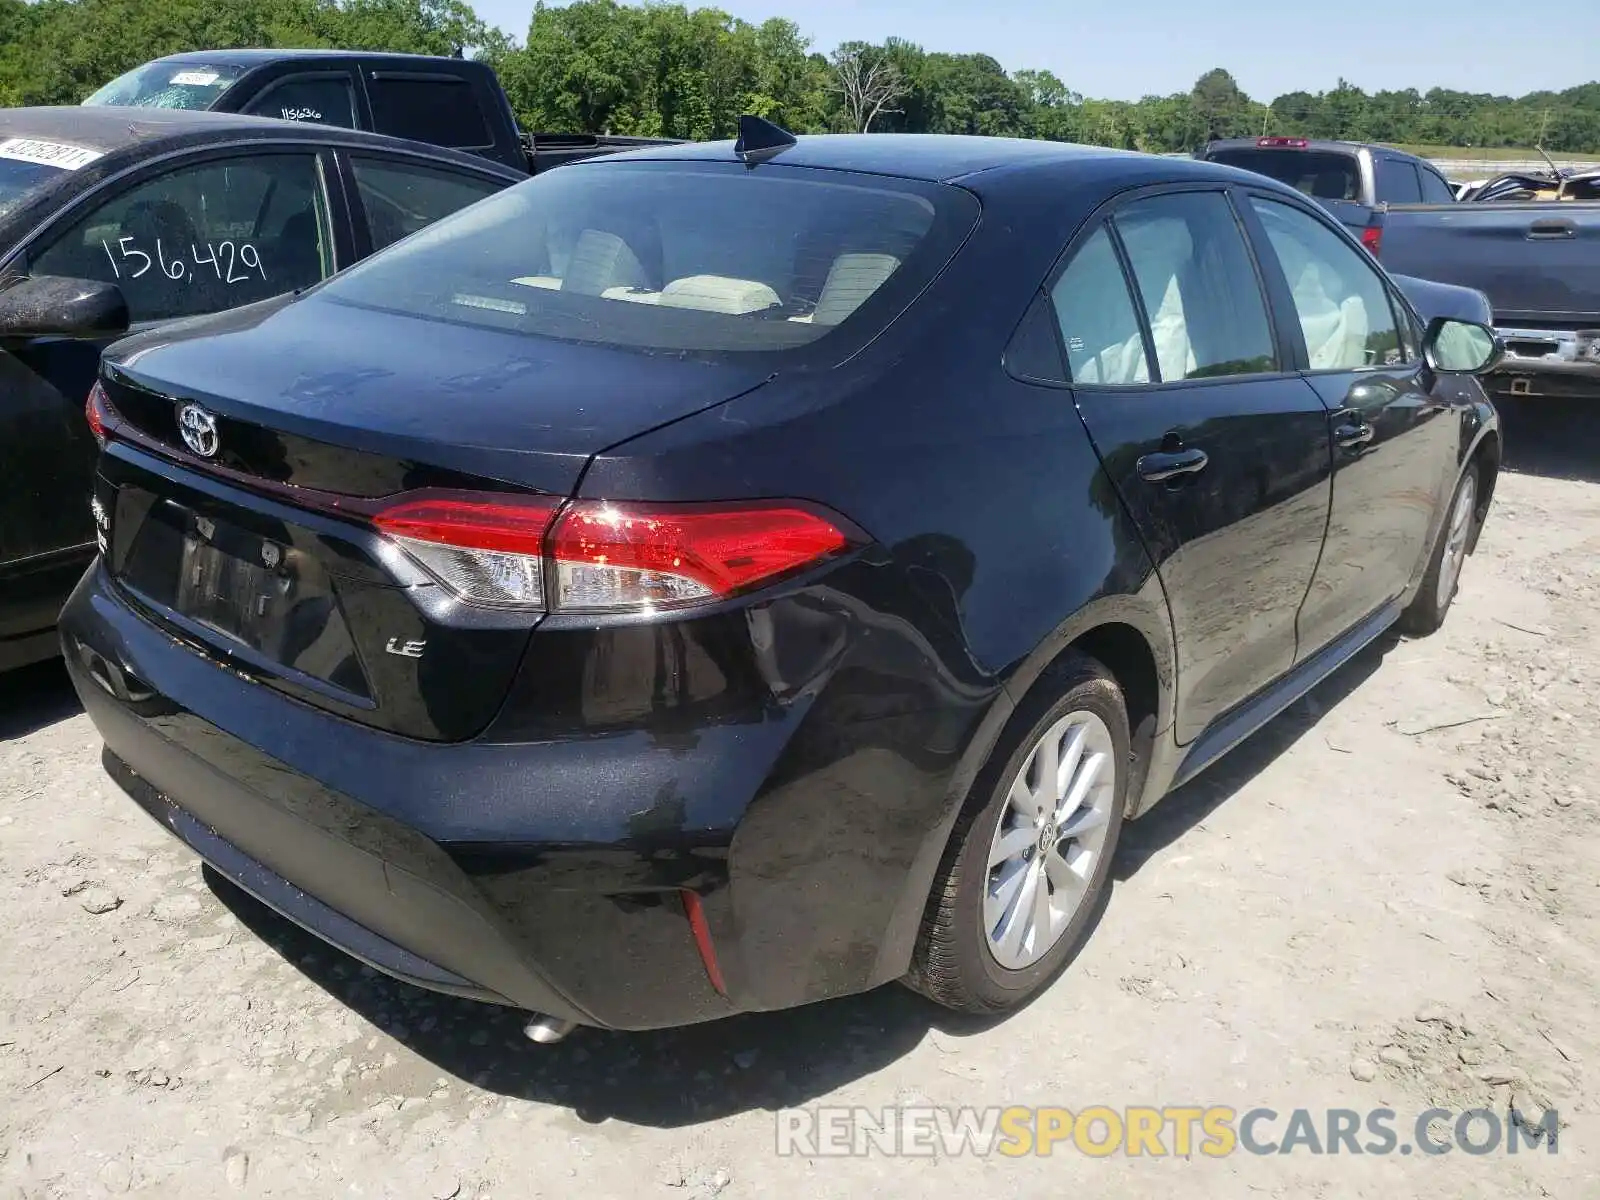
x=199 y=430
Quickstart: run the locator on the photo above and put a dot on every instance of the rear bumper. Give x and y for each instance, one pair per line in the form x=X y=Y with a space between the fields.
x=1549 y=362
x=544 y=875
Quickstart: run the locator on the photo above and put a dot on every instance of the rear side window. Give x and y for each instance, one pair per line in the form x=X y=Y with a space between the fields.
x=1325 y=174
x=402 y=197
x=1099 y=325
x=1397 y=181
x=442 y=110
x=323 y=99
x=675 y=257
x=1434 y=188
x=1201 y=296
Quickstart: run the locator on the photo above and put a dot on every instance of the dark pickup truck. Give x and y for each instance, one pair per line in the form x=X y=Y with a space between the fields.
x=1349 y=179
x=452 y=102
x=1537 y=262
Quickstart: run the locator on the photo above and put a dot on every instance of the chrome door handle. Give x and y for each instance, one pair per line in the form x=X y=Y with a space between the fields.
x=1354 y=435
x=1171 y=464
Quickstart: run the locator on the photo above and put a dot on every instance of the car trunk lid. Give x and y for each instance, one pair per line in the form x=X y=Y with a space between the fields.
x=264 y=552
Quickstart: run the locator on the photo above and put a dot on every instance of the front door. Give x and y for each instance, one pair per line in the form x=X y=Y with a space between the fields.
x=1394 y=440
x=190 y=237
x=1218 y=452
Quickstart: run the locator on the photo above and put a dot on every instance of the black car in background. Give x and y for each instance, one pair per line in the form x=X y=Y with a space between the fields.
x=451 y=102
x=722 y=577
x=111 y=219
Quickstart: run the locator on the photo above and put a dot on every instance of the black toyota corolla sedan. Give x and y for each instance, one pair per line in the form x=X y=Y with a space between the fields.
x=722 y=577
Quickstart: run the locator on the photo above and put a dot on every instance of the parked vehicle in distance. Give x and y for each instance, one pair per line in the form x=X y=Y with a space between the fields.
x=1539 y=264
x=1555 y=184
x=111 y=220
x=452 y=102
x=721 y=577
x=1350 y=179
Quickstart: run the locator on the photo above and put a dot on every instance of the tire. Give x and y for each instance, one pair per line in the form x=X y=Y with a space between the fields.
x=968 y=955
x=1427 y=611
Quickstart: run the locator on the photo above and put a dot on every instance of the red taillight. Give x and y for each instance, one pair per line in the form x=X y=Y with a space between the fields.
x=625 y=556
x=601 y=556
x=509 y=526
x=1372 y=238
x=97 y=408
x=1282 y=143
x=487 y=550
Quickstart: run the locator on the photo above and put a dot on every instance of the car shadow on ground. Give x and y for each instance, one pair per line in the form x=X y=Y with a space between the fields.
x=763 y=1061
x=1556 y=438
x=34 y=697
x=1190 y=805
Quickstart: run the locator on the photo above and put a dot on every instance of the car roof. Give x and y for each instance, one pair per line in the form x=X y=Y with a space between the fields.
x=253 y=56
x=110 y=128
x=927 y=156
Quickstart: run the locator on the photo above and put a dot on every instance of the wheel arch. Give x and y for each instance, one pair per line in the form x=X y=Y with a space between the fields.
x=1131 y=636
x=1484 y=457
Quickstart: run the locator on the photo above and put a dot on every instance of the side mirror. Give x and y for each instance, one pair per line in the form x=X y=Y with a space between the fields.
x=55 y=306
x=1463 y=347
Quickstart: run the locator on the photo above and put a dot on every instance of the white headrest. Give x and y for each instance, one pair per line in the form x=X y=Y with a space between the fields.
x=851 y=280
x=599 y=261
x=718 y=293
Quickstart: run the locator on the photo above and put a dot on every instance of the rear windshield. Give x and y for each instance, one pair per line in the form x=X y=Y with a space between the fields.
x=19 y=180
x=689 y=258
x=1325 y=174
x=168 y=85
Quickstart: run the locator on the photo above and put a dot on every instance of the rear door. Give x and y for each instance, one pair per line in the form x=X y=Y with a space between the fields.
x=1395 y=437
x=436 y=107
x=1208 y=436
x=329 y=95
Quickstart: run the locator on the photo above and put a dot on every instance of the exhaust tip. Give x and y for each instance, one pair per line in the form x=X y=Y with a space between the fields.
x=547 y=1031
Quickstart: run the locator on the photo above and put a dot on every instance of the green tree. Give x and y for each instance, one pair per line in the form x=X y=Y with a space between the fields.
x=670 y=70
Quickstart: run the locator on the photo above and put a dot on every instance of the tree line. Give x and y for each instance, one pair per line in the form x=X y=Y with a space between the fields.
x=671 y=71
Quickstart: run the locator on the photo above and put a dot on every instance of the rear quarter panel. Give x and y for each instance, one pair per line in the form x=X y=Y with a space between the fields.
x=1000 y=538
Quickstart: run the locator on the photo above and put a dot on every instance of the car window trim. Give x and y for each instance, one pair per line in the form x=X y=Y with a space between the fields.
x=360 y=225
x=342 y=74
x=1390 y=291
x=136 y=174
x=1099 y=216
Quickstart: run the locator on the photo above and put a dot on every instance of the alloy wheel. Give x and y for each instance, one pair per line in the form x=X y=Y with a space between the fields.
x=1049 y=839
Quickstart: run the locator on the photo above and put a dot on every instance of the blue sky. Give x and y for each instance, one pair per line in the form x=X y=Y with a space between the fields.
x=1122 y=50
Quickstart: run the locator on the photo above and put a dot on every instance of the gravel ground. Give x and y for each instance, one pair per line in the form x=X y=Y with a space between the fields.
x=1389 y=897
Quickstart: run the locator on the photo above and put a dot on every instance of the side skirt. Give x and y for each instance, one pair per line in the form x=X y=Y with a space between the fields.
x=1228 y=730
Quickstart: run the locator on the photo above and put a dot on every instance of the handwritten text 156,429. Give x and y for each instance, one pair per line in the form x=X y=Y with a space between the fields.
x=231 y=263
